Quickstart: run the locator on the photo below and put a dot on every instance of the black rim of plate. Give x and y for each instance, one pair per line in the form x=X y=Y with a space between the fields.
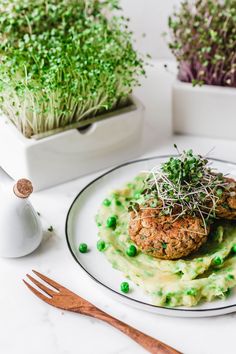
x=106 y=286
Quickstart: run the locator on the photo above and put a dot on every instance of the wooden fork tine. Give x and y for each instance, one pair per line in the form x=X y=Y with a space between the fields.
x=49 y=281
x=67 y=300
x=37 y=293
x=48 y=291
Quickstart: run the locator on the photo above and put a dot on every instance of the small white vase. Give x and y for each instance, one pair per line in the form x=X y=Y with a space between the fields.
x=72 y=153
x=21 y=230
x=204 y=110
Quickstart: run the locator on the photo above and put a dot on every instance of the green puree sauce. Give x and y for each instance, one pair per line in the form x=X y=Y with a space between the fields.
x=210 y=273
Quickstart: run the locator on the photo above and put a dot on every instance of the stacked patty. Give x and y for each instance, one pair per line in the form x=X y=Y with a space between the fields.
x=226 y=206
x=168 y=237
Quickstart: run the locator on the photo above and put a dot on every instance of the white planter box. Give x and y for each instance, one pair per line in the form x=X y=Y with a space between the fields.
x=72 y=153
x=205 y=111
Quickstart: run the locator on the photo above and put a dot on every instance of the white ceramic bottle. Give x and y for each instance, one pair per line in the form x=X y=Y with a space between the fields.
x=21 y=230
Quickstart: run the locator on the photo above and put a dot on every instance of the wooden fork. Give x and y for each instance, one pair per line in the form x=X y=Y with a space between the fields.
x=65 y=299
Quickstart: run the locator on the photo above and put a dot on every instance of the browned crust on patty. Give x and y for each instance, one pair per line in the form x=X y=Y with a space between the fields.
x=162 y=237
x=226 y=206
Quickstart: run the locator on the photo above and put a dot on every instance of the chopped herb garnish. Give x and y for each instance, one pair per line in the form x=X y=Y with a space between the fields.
x=164 y=245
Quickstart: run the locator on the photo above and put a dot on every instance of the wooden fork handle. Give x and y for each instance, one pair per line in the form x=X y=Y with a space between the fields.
x=151 y=344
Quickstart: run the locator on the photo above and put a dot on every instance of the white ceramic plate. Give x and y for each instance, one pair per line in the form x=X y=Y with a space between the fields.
x=81 y=227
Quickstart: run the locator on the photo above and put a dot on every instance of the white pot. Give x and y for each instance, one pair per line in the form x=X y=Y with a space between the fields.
x=72 y=153
x=204 y=110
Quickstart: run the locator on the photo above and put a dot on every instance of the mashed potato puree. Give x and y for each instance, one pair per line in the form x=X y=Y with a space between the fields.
x=210 y=273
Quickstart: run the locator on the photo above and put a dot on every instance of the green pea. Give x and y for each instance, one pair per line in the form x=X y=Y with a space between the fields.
x=180 y=273
x=118 y=203
x=168 y=298
x=83 y=248
x=228 y=292
x=219 y=192
x=131 y=251
x=101 y=245
x=106 y=202
x=230 y=277
x=112 y=221
x=124 y=287
x=191 y=292
x=217 y=260
x=233 y=249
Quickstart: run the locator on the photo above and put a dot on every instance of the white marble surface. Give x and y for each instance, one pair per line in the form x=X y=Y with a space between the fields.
x=29 y=326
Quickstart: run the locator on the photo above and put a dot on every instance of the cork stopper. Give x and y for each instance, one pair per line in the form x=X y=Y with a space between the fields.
x=23 y=188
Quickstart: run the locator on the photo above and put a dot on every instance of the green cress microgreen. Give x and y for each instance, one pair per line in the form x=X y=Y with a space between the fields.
x=63 y=61
x=185 y=185
x=203 y=40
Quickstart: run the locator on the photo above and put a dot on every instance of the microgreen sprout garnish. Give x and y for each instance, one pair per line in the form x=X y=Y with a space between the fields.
x=133 y=206
x=64 y=61
x=185 y=185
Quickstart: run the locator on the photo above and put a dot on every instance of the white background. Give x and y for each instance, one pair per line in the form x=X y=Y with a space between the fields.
x=150 y=17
